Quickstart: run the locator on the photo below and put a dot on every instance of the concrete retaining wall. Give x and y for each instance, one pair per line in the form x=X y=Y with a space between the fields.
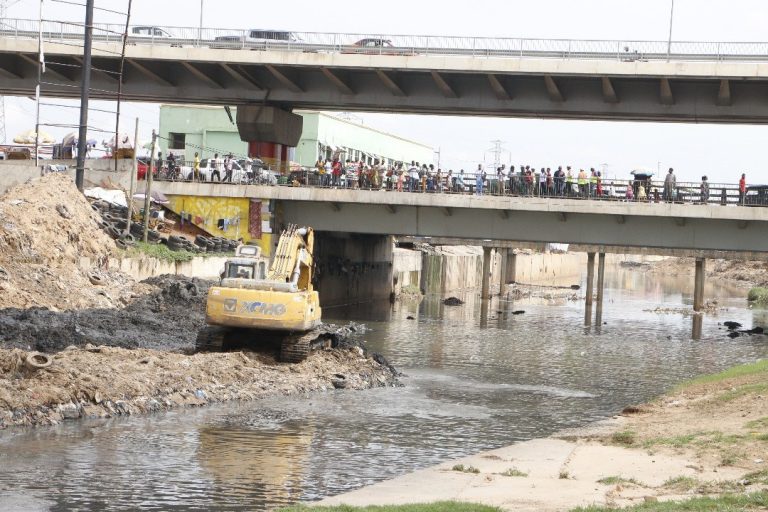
x=98 y=172
x=406 y=269
x=143 y=267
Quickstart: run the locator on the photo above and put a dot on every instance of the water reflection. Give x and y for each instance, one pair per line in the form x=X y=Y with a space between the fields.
x=479 y=377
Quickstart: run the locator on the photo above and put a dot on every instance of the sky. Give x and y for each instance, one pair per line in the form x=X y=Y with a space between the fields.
x=722 y=152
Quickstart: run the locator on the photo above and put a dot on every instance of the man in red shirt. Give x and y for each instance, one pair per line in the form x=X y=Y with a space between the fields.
x=336 y=172
x=742 y=188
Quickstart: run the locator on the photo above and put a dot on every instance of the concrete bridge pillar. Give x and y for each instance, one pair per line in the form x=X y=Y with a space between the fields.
x=590 y=288
x=698 y=285
x=511 y=266
x=486 y=290
x=600 y=288
x=503 y=270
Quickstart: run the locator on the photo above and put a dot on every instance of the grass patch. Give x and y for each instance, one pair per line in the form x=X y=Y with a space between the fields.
x=616 y=480
x=757 y=477
x=411 y=289
x=758 y=295
x=161 y=252
x=681 y=483
x=625 y=437
x=675 y=442
x=759 y=423
x=740 y=391
x=514 y=472
x=724 y=503
x=441 y=506
x=564 y=475
x=465 y=469
x=743 y=370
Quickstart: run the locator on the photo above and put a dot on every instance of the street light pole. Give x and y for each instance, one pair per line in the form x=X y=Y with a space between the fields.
x=200 y=30
x=669 y=41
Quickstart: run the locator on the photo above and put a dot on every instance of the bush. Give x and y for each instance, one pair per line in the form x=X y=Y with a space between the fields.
x=758 y=295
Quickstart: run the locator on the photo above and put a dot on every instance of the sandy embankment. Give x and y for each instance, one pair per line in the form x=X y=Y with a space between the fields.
x=708 y=438
x=117 y=346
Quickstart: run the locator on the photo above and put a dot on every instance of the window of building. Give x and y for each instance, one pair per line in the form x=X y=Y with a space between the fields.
x=177 y=140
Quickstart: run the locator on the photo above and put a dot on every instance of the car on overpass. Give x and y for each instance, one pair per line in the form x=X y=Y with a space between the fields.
x=255 y=39
x=377 y=46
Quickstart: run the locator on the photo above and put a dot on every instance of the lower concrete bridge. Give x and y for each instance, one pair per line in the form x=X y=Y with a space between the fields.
x=709 y=229
x=366 y=222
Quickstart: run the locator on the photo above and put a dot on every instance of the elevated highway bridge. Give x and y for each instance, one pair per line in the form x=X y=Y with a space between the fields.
x=566 y=79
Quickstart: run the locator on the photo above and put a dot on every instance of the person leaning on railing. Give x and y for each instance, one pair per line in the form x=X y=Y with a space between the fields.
x=742 y=188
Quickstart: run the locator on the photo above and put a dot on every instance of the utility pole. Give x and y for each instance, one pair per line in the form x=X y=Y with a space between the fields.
x=148 y=189
x=82 y=142
x=134 y=170
x=669 y=41
x=200 y=30
x=40 y=71
x=438 y=157
x=3 y=15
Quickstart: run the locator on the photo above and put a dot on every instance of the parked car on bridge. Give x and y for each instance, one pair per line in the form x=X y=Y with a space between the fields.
x=256 y=39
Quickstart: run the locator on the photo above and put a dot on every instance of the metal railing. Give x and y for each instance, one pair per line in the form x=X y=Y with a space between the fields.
x=515 y=186
x=384 y=44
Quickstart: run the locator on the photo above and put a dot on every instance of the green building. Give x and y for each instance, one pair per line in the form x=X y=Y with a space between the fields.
x=186 y=129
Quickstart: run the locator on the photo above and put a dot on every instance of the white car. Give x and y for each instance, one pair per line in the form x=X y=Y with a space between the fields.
x=256 y=39
x=239 y=175
x=149 y=32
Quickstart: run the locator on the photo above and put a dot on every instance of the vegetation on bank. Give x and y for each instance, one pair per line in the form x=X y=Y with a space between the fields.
x=724 y=503
x=744 y=370
x=758 y=295
x=162 y=252
x=440 y=506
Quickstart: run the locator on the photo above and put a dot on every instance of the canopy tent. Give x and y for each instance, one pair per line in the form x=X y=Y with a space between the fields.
x=71 y=140
x=124 y=141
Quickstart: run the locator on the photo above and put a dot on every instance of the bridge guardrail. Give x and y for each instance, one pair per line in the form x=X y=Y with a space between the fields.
x=653 y=191
x=481 y=47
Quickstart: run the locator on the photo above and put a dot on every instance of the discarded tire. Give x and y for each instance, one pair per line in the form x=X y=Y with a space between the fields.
x=121 y=244
x=37 y=361
x=128 y=238
x=96 y=279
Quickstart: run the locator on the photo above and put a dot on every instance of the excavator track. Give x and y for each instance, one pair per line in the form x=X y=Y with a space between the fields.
x=211 y=339
x=296 y=347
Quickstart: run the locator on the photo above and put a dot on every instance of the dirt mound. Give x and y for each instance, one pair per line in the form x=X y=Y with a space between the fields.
x=752 y=273
x=103 y=381
x=46 y=227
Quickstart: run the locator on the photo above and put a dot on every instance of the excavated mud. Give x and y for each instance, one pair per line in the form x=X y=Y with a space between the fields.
x=167 y=317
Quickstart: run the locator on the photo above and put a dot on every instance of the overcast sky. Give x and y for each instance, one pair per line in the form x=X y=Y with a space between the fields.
x=721 y=152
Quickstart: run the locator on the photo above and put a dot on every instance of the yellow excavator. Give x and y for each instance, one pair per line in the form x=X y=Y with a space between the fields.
x=253 y=306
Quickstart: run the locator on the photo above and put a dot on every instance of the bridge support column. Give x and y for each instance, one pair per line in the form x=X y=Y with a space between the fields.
x=511 y=266
x=698 y=285
x=486 y=290
x=503 y=270
x=590 y=288
x=600 y=288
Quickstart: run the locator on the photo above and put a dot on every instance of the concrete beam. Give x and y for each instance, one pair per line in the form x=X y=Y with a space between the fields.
x=698 y=285
x=340 y=84
x=50 y=67
x=10 y=70
x=447 y=211
x=609 y=93
x=284 y=79
x=444 y=86
x=205 y=77
x=111 y=77
x=553 y=90
x=390 y=208
x=144 y=70
x=499 y=90
x=390 y=83
x=665 y=92
x=724 y=94
x=241 y=74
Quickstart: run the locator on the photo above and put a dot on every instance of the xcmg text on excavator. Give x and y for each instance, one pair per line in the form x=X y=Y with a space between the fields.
x=249 y=307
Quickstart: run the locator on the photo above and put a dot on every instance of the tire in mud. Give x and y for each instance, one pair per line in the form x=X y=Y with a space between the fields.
x=210 y=339
x=295 y=348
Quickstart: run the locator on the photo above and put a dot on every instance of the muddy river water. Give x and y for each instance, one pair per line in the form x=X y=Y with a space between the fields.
x=473 y=383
